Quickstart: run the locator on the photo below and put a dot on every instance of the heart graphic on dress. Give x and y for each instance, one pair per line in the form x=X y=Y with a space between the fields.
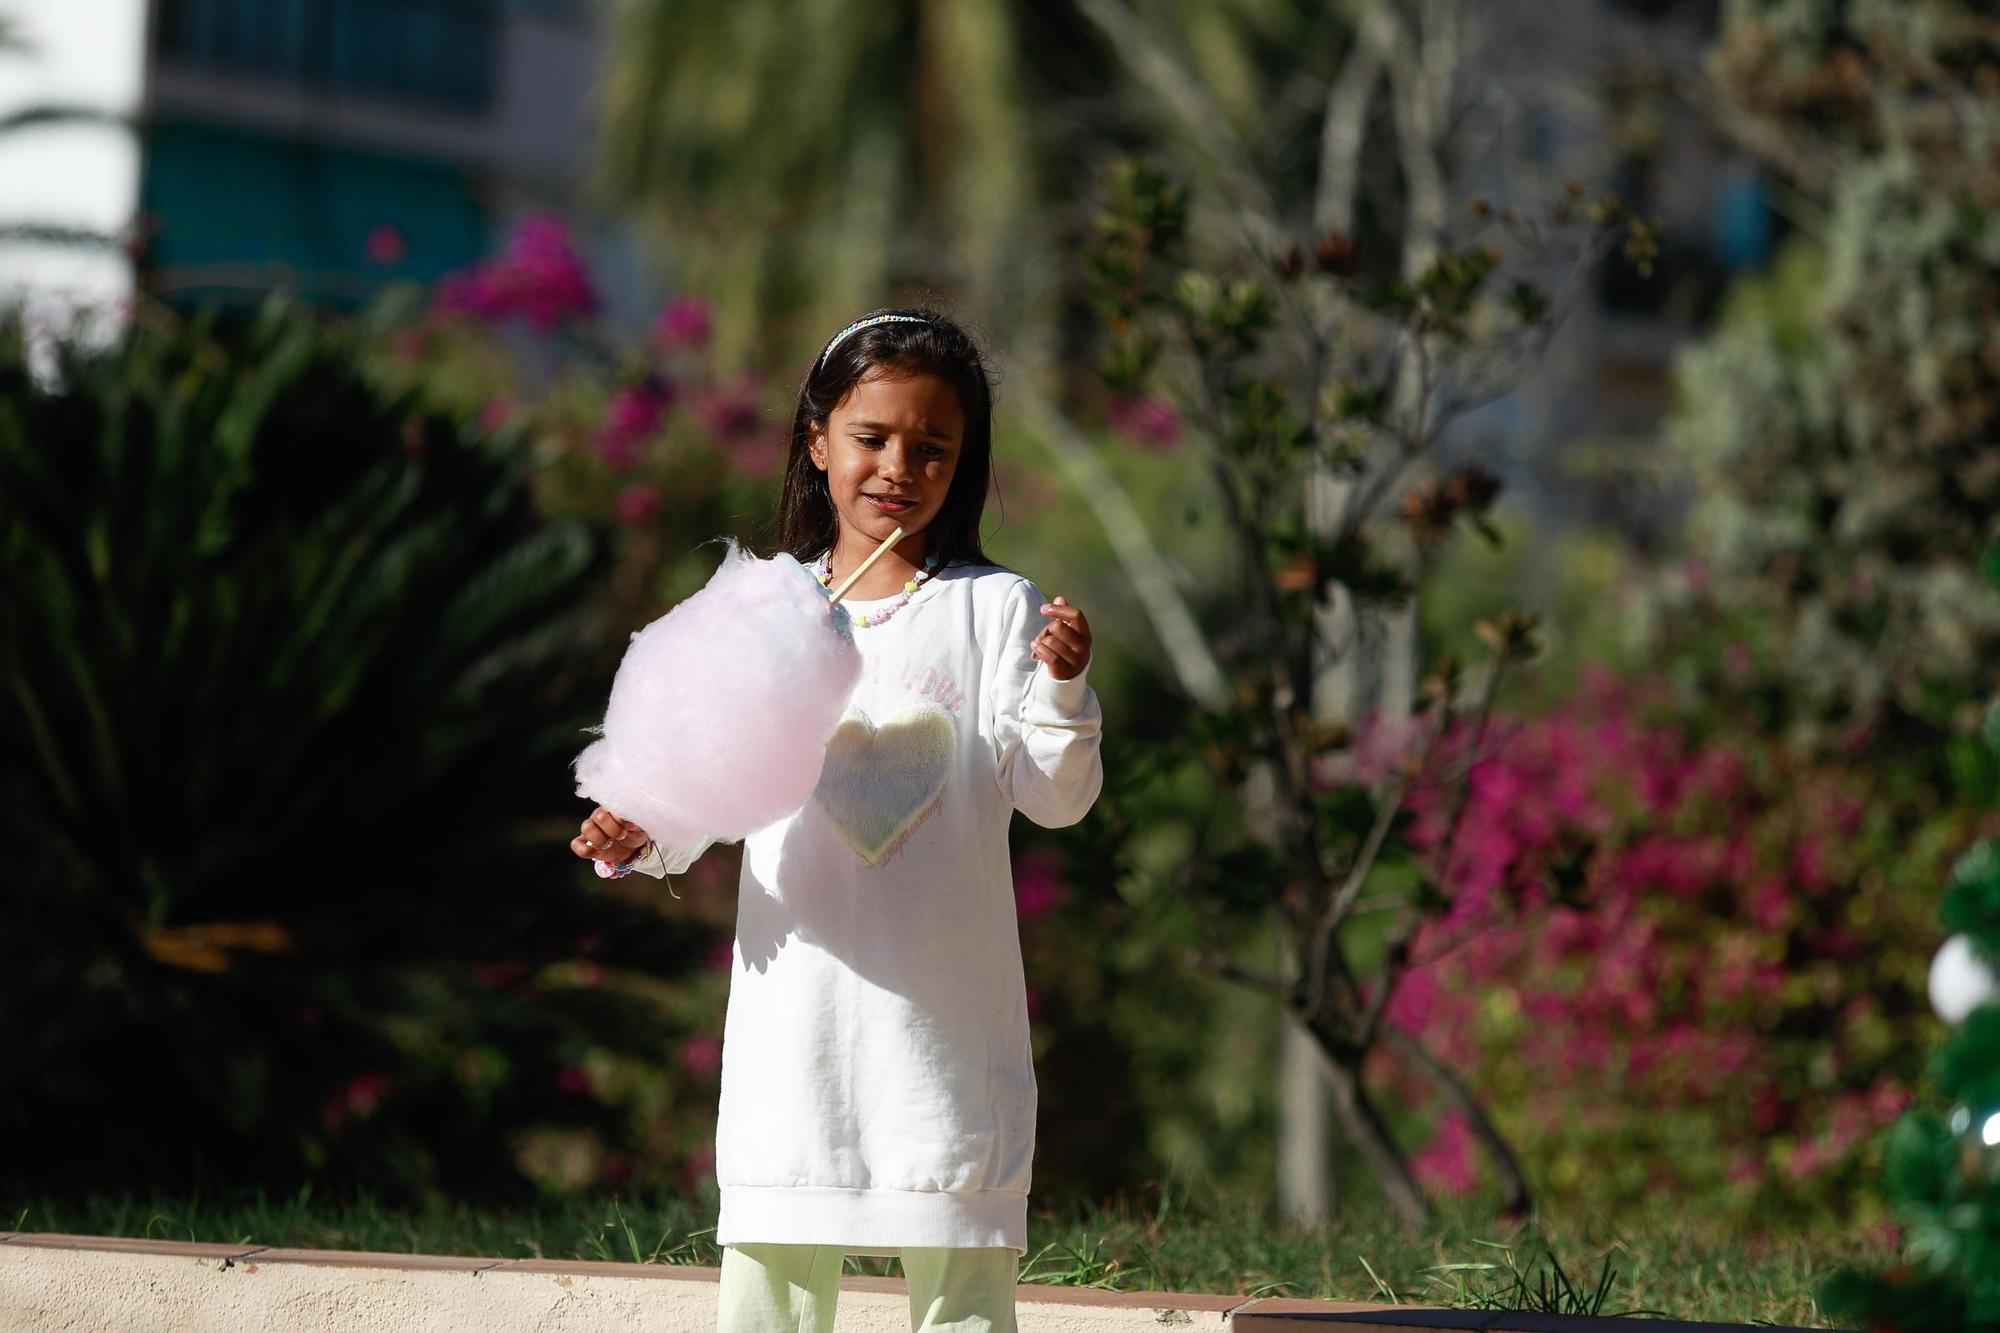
x=879 y=783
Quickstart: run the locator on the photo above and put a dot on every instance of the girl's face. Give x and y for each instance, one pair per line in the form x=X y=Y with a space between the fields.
x=889 y=451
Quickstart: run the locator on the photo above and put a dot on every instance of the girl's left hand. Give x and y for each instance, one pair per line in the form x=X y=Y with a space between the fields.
x=1064 y=642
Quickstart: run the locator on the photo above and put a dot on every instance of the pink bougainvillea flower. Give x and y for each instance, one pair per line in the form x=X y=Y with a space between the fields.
x=359 y=1096
x=722 y=955
x=638 y=409
x=1445 y=1163
x=701 y=1055
x=386 y=245
x=632 y=416
x=538 y=278
x=1415 y=999
x=495 y=975
x=1038 y=886
x=1150 y=421
x=365 y=1090
x=699 y=1166
x=637 y=504
x=1809 y=869
x=729 y=412
x=1888 y=1100
x=619 y=453
x=544 y=279
x=470 y=292
x=1805 y=1160
x=685 y=321
x=1653 y=898
x=758 y=456
x=733 y=416
x=575 y=1080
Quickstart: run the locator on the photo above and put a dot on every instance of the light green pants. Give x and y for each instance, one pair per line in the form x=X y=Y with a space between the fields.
x=793 y=1288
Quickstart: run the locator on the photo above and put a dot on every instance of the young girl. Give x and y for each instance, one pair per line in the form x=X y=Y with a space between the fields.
x=878 y=1092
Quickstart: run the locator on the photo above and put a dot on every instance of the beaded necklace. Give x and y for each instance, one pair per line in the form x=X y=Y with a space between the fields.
x=823 y=571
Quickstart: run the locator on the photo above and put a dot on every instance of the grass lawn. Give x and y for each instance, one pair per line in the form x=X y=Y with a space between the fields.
x=1668 y=1266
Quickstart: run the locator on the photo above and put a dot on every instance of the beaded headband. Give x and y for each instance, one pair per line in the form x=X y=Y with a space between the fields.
x=864 y=323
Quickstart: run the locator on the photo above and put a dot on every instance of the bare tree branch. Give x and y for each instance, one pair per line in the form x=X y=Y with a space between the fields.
x=1181 y=637
x=1420 y=79
x=1220 y=965
x=1519 y=1200
x=1339 y=903
x=1396 y=957
x=1193 y=112
x=1345 y=127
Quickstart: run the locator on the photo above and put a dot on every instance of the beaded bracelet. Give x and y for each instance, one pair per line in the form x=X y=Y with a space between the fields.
x=623 y=868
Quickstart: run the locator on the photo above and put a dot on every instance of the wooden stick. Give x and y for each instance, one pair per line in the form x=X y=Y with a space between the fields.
x=880 y=551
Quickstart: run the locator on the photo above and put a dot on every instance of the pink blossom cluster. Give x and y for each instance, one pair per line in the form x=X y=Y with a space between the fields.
x=385 y=245
x=541 y=280
x=1152 y=422
x=358 y=1096
x=1639 y=922
x=538 y=278
x=698 y=1168
x=1038 y=885
x=732 y=414
x=638 y=504
x=685 y=321
x=1851 y=1118
x=1448 y=1163
x=701 y=1055
x=633 y=415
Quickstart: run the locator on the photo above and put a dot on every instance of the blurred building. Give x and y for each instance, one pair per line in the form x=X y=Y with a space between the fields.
x=329 y=146
x=70 y=74
x=1610 y=93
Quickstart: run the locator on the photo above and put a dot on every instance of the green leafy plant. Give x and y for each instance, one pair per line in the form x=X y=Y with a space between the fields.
x=1838 y=420
x=1941 y=1164
x=1543 y=1286
x=1316 y=382
x=294 y=671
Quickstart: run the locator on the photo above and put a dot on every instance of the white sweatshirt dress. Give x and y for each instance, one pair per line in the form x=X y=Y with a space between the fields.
x=878 y=1089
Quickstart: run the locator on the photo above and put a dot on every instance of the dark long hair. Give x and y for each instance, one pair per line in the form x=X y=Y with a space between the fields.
x=937 y=346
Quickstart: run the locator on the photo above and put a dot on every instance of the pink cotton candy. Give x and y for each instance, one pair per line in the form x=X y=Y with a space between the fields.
x=722 y=709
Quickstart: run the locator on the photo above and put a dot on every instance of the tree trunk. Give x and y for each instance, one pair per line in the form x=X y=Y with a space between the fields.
x=1369 y=1134
x=1307 y=1184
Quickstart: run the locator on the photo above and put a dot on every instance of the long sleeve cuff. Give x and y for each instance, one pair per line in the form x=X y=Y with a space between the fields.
x=1061 y=698
x=659 y=862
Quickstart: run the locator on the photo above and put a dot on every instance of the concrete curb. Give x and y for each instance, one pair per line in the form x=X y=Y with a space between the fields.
x=112 y=1284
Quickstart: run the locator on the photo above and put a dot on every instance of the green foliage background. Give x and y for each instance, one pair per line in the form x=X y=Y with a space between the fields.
x=294 y=672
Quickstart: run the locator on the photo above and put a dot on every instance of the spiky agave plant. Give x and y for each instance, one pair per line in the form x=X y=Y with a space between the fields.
x=291 y=671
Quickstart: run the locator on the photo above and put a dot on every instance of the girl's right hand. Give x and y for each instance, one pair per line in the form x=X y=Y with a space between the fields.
x=606 y=837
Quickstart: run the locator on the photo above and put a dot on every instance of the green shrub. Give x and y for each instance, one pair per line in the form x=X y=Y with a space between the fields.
x=294 y=671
